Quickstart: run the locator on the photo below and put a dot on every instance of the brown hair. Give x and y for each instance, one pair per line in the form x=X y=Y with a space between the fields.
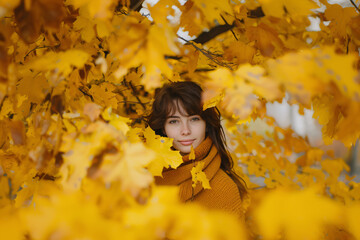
x=189 y=95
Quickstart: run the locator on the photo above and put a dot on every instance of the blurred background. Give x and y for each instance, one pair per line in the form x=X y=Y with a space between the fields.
x=288 y=115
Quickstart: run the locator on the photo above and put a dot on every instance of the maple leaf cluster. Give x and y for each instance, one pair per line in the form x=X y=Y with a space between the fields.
x=77 y=79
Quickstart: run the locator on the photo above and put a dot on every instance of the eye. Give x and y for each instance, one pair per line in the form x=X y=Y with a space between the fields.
x=172 y=121
x=195 y=118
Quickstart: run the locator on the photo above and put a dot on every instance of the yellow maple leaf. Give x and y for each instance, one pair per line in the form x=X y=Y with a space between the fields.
x=348 y=129
x=9 y=223
x=79 y=152
x=192 y=154
x=278 y=8
x=199 y=176
x=5 y=191
x=165 y=157
x=75 y=164
x=192 y=18
x=352 y=217
x=240 y=52
x=266 y=39
x=85 y=219
x=87 y=26
x=334 y=167
x=136 y=44
x=32 y=86
x=211 y=101
x=254 y=168
x=20 y=100
x=92 y=110
x=340 y=68
x=310 y=176
x=104 y=95
x=213 y=8
x=312 y=156
x=162 y=11
x=171 y=220
x=315 y=69
x=239 y=99
x=340 y=18
x=60 y=63
x=241 y=89
x=263 y=86
x=292 y=212
x=95 y=8
x=129 y=167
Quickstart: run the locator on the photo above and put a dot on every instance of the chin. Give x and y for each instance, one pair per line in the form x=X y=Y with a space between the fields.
x=183 y=150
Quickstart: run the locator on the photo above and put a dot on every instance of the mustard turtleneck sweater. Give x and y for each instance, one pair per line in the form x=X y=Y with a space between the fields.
x=223 y=194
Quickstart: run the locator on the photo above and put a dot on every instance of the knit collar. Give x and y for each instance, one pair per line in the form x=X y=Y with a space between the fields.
x=206 y=152
x=201 y=151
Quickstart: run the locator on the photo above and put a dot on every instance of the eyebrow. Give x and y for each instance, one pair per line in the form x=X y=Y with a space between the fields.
x=185 y=116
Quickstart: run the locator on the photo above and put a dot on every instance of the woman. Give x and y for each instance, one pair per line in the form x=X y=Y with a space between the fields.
x=177 y=113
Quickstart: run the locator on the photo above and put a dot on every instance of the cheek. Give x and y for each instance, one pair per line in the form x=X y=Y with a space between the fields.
x=201 y=130
x=204 y=129
x=170 y=130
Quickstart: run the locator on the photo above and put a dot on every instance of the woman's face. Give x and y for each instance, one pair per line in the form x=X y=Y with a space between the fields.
x=185 y=130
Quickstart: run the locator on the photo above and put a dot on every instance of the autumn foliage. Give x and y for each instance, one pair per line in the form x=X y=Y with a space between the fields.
x=77 y=78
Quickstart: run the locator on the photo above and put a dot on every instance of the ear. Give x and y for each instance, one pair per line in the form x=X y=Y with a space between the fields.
x=163 y=132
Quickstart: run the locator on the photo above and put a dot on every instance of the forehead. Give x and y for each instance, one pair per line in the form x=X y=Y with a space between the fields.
x=176 y=107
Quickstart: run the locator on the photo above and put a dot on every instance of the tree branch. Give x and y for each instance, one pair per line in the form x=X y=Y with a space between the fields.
x=197 y=70
x=204 y=37
x=356 y=7
x=256 y=13
x=135 y=93
x=206 y=53
x=136 y=5
x=231 y=28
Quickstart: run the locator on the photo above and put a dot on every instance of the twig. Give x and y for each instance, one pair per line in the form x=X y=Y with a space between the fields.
x=2 y=101
x=84 y=91
x=118 y=91
x=198 y=70
x=133 y=102
x=257 y=188
x=206 y=54
x=137 y=5
x=232 y=31
x=356 y=7
x=136 y=95
x=39 y=47
x=173 y=57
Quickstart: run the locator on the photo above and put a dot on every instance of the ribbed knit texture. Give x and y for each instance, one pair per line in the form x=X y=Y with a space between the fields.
x=223 y=194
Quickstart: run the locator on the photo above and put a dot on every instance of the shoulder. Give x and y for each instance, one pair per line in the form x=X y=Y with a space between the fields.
x=223 y=184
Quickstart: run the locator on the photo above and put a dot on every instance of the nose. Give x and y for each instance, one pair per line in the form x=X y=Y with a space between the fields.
x=185 y=129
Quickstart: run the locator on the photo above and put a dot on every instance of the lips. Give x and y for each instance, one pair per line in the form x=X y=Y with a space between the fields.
x=186 y=142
